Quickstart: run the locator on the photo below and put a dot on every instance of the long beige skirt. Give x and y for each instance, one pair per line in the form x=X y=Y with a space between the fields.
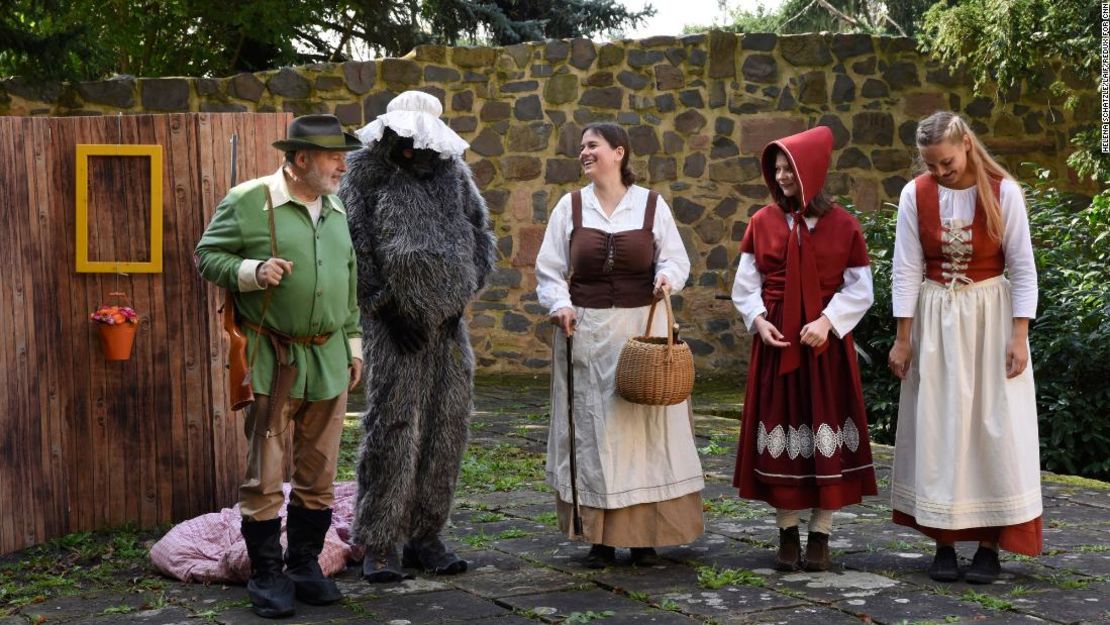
x=660 y=524
x=966 y=453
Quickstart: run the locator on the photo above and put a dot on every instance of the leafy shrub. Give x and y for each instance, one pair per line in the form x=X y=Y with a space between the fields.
x=1070 y=339
x=874 y=336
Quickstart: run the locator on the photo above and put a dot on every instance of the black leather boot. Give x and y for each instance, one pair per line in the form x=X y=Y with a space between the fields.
x=305 y=530
x=644 y=556
x=270 y=591
x=432 y=556
x=600 y=556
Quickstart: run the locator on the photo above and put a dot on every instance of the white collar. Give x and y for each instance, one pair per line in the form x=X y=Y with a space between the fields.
x=589 y=198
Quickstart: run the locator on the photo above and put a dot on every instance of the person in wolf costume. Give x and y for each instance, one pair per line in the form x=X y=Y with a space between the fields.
x=424 y=247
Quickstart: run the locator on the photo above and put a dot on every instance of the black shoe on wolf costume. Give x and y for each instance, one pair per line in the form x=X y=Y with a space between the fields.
x=424 y=249
x=270 y=590
x=305 y=530
x=382 y=566
x=433 y=558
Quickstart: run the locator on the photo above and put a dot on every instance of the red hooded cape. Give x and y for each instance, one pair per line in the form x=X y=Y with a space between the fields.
x=804 y=440
x=809 y=153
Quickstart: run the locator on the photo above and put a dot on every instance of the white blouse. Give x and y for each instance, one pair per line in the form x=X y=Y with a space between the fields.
x=909 y=261
x=553 y=260
x=844 y=310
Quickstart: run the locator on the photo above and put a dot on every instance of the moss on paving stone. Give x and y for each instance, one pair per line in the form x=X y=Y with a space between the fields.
x=79 y=563
x=1075 y=480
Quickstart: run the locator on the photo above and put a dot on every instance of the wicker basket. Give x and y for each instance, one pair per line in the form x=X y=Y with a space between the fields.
x=656 y=371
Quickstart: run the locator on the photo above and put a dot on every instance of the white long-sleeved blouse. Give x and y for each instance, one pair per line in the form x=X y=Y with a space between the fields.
x=553 y=260
x=959 y=204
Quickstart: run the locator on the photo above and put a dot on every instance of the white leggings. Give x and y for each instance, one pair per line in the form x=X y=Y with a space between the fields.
x=819 y=520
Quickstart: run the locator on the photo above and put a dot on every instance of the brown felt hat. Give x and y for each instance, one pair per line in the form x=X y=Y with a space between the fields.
x=317 y=132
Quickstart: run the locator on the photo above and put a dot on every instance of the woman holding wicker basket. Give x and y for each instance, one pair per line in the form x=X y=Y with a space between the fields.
x=802 y=284
x=610 y=250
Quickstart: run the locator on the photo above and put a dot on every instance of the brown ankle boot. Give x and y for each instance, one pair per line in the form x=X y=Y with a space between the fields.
x=789 y=557
x=817 y=552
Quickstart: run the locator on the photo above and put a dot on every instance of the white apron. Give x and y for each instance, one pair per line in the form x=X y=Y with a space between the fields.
x=967 y=452
x=627 y=454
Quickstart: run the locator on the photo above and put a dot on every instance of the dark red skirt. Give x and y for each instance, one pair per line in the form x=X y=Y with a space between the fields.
x=804 y=440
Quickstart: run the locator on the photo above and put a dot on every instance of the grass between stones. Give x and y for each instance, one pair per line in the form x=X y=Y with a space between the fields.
x=987 y=601
x=713 y=578
x=503 y=467
x=726 y=506
x=588 y=616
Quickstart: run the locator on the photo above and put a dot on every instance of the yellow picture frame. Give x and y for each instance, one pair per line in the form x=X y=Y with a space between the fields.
x=84 y=265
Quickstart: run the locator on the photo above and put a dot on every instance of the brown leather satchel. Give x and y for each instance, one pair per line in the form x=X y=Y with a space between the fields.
x=238 y=364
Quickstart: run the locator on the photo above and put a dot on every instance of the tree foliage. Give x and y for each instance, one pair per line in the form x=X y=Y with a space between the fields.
x=837 y=16
x=91 y=39
x=1005 y=43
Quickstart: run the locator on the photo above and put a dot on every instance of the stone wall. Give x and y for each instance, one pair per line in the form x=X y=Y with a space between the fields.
x=699 y=109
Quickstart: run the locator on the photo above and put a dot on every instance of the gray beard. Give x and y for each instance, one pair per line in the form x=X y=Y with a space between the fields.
x=318 y=184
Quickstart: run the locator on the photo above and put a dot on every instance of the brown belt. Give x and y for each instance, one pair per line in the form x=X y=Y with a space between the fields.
x=319 y=339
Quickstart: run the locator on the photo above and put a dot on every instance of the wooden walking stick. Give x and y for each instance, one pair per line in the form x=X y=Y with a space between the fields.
x=577 y=516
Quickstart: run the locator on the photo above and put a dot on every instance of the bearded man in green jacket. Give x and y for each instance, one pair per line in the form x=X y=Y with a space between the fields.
x=280 y=244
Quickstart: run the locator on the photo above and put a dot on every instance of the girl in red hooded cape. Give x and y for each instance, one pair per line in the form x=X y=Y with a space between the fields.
x=802 y=285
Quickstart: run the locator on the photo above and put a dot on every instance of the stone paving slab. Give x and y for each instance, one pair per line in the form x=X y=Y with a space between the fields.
x=449 y=606
x=907 y=603
x=528 y=581
x=729 y=601
x=803 y=615
x=556 y=606
x=522 y=570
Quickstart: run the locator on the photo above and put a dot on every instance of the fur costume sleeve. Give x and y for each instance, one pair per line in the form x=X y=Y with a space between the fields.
x=352 y=328
x=478 y=213
x=369 y=286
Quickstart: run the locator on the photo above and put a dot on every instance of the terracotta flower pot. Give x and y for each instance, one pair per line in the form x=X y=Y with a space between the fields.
x=117 y=339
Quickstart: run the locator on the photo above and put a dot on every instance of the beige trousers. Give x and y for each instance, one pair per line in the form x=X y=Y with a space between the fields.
x=316 y=428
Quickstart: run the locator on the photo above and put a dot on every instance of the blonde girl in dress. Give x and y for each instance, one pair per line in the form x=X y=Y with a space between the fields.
x=966 y=464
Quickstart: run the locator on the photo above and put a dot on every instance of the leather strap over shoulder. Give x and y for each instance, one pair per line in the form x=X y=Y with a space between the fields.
x=270 y=213
x=649 y=212
x=270 y=290
x=576 y=208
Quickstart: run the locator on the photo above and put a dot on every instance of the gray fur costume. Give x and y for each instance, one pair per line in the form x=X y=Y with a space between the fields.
x=422 y=237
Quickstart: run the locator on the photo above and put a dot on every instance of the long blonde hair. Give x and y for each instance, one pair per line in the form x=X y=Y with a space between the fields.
x=948 y=126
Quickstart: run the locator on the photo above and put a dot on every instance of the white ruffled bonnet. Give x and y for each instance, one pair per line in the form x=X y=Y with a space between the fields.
x=416 y=114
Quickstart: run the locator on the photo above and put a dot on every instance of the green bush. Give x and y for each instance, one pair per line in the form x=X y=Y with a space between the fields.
x=1070 y=339
x=874 y=336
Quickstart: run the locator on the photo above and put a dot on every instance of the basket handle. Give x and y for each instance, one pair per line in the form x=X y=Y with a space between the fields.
x=670 y=321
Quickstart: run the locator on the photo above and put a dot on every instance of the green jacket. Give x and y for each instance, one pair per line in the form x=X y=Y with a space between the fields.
x=318 y=297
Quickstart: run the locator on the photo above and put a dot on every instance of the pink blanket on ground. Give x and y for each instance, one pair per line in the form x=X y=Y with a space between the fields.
x=210 y=549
